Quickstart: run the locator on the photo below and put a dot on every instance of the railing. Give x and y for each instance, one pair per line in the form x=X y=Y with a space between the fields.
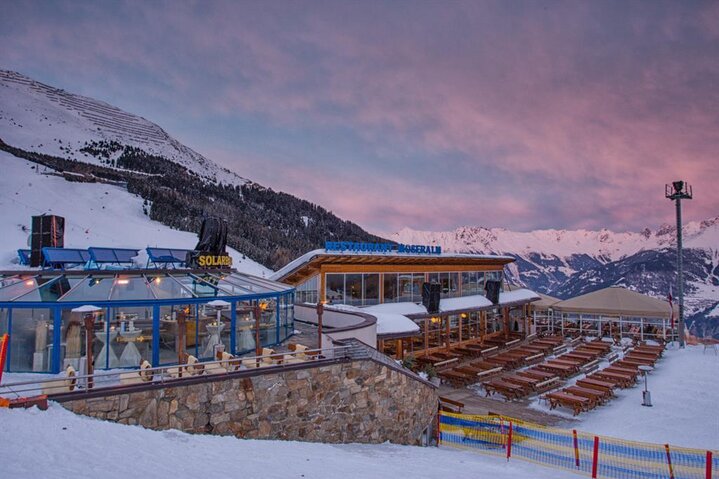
x=177 y=372
x=576 y=451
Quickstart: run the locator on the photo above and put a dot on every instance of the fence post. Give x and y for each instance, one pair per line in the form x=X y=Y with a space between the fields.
x=595 y=459
x=709 y=465
x=669 y=461
x=576 y=448
x=3 y=352
x=509 y=442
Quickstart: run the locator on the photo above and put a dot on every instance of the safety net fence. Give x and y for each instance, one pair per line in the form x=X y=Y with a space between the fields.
x=572 y=450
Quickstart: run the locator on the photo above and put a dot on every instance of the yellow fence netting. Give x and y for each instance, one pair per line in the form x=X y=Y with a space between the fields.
x=571 y=450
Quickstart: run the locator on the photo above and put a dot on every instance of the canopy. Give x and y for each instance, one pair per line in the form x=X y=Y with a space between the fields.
x=616 y=301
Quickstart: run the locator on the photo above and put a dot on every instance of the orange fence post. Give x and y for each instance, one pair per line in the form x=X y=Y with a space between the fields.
x=595 y=459
x=509 y=441
x=709 y=465
x=669 y=462
x=576 y=447
x=3 y=352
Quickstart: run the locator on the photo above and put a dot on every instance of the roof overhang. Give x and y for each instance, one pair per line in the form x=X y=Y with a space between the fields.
x=310 y=264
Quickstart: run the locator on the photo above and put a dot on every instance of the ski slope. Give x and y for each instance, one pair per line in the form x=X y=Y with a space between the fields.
x=95 y=214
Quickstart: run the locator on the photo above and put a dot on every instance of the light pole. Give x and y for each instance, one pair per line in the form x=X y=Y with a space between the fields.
x=677 y=192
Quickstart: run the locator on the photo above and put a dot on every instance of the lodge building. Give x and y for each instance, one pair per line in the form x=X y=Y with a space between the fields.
x=386 y=285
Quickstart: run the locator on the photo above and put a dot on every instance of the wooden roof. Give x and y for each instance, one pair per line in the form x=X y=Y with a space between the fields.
x=309 y=264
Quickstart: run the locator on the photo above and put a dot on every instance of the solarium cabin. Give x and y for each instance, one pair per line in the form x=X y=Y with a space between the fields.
x=384 y=290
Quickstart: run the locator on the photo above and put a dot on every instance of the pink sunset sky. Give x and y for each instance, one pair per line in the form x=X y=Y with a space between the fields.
x=429 y=115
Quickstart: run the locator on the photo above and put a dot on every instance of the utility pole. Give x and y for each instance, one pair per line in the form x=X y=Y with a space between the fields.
x=677 y=192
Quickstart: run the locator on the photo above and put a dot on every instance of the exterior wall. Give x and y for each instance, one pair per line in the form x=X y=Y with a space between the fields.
x=353 y=401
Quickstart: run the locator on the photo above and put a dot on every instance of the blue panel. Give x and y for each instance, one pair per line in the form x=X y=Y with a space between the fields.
x=112 y=255
x=166 y=255
x=63 y=256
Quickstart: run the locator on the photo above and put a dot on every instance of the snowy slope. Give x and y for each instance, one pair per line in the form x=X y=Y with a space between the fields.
x=95 y=214
x=684 y=391
x=57 y=443
x=37 y=117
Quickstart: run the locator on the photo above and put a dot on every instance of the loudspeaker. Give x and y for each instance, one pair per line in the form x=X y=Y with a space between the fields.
x=430 y=296
x=47 y=230
x=492 y=288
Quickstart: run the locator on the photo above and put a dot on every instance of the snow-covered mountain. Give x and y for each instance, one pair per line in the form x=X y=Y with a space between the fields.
x=567 y=263
x=37 y=117
x=90 y=141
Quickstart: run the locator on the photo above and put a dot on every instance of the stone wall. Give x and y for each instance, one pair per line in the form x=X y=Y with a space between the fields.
x=352 y=401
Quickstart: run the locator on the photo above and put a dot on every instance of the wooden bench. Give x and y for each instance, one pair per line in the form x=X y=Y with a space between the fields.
x=450 y=405
x=600 y=397
x=620 y=380
x=534 y=373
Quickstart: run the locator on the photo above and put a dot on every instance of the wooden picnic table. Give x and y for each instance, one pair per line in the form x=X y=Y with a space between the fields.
x=589 y=383
x=456 y=378
x=521 y=380
x=642 y=357
x=576 y=403
x=633 y=373
x=595 y=395
x=622 y=380
x=534 y=373
x=508 y=390
x=561 y=370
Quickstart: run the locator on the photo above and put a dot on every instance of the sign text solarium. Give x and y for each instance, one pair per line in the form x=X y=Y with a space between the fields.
x=354 y=247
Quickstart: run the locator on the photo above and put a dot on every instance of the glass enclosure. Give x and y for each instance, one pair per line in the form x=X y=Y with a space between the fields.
x=140 y=316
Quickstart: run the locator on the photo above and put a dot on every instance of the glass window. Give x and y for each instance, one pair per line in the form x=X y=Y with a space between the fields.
x=133 y=342
x=405 y=288
x=245 y=328
x=31 y=340
x=178 y=328
x=353 y=289
x=417 y=282
x=469 y=283
x=453 y=285
x=433 y=278
x=480 y=283
x=335 y=288
x=390 y=287
x=370 y=287
x=166 y=287
x=91 y=289
x=131 y=288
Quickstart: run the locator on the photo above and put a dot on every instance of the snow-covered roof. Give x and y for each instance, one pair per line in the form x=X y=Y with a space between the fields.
x=464 y=302
x=388 y=323
x=518 y=295
x=396 y=308
x=310 y=256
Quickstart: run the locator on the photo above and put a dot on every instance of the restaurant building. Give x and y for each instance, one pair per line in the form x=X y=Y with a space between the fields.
x=387 y=286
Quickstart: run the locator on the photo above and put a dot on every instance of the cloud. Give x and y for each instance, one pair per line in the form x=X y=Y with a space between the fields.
x=515 y=114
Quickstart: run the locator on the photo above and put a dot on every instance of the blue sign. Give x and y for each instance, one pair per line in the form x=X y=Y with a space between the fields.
x=354 y=247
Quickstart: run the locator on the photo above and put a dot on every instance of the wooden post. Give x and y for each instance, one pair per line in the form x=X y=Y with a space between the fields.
x=400 y=349
x=426 y=335
x=709 y=465
x=669 y=461
x=505 y=316
x=449 y=336
x=509 y=442
x=89 y=333
x=320 y=311
x=576 y=447
x=4 y=341
x=460 y=328
x=181 y=333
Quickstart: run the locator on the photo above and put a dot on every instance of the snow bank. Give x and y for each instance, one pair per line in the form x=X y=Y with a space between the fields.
x=57 y=443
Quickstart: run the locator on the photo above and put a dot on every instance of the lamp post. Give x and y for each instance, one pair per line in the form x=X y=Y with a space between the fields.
x=646 y=396
x=320 y=311
x=677 y=192
x=88 y=312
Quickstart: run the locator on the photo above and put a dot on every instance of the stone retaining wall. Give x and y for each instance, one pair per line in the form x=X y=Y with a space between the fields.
x=352 y=401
